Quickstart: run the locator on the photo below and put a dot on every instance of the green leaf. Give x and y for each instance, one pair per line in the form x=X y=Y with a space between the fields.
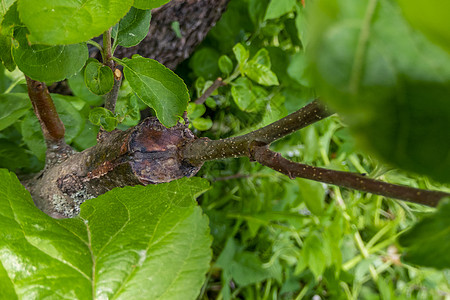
x=158 y=87
x=149 y=4
x=391 y=87
x=127 y=110
x=50 y=63
x=313 y=194
x=204 y=63
x=4 y=6
x=241 y=56
x=202 y=124
x=247 y=97
x=432 y=19
x=55 y=22
x=225 y=64
x=195 y=110
x=314 y=255
x=32 y=135
x=133 y=28
x=428 y=242
x=297 y=69
x=12 y=156
x=98 y=78
x=79 y=89
x=12 y=107
x=71 y=118
x=277 y=8
x=261 y=74
x=10 y=19
x=129 y=243
x=103 y=117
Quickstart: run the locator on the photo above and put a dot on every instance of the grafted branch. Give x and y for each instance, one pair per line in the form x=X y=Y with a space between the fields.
x=274 y=160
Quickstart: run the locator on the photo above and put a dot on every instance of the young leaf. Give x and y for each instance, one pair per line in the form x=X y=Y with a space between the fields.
x=133 y=28
x=149 y=4
x=241 y=56
x=103 y=117
x=129 y=242
x=428 y=242
x=12 y=107
x=277 y=8
x=241 y=90
x=10 y=19
x=50 y=63
x=392 y=87
x=98 y=78
x=158 y=87
x=260 y=73
x=69 y=22
x=202 y=124
x=79 y=89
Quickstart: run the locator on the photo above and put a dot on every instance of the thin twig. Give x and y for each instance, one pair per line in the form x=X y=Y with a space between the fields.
x=216 y=84
x=204 y=149
x=107 y=52
x=274 y=160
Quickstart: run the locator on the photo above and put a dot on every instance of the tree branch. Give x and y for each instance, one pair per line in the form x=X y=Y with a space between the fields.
x=275 y=161
x=45 y=110
x=111 y=96
x=216 y=84
x=204 y=149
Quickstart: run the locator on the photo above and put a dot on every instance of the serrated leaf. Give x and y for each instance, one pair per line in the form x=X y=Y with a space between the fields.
x=137 y=242
x=277 y=8
x=429 y=235
x=12 y=107
x=391 y=87
x=149 y=4
x=133 y=28
x=64 y=22
x=98 y=78
x=158 y=87
x=50 y=63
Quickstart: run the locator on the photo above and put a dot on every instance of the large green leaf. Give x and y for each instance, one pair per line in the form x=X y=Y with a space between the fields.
x=55 y=22
x=277 y=8
x=149 y=4
x=433 y=19
x=133 y=28
x=50 y=63
x=158 y=87
x=428 y=242
x=391 y=86
x=12 y=107
x=133 y=243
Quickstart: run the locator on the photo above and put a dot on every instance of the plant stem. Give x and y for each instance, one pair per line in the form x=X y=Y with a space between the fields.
x=355 y=181
x=111 y=96
x=204 y=149
x=107 y=52
x=216 y=84
x=45 y=110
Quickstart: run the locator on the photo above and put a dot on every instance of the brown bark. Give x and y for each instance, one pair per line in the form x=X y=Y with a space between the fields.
x=196 y=18
x=275 y=161
x=145 y=154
